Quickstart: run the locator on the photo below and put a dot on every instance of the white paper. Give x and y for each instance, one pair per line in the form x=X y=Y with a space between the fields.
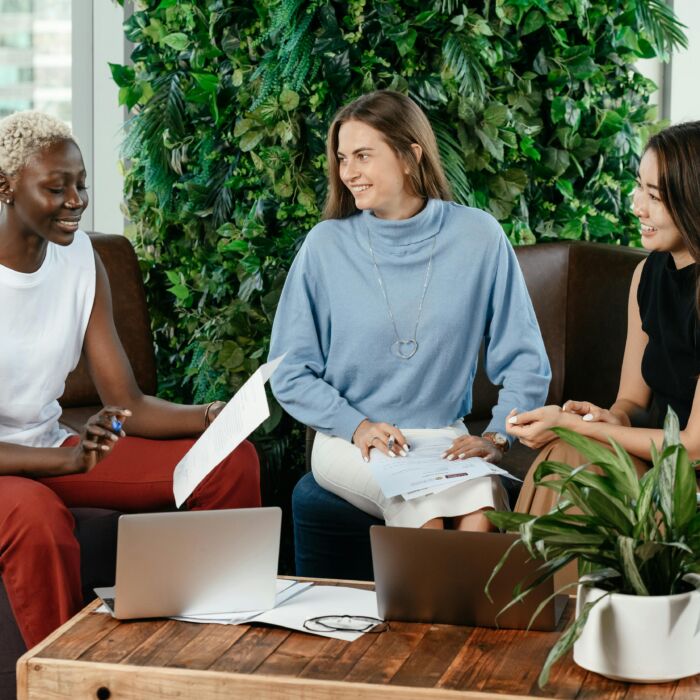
x=318 y=601
x=286 y=590
x=424 y=471
x=238 y=419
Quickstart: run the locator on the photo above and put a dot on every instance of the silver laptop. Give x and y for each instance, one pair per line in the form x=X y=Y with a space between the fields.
x=439 y=576
x=195 y=562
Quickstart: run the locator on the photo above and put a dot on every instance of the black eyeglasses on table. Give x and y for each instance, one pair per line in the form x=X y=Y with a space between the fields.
x=345 y=623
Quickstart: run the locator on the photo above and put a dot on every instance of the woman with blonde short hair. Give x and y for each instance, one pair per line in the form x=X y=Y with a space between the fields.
x=55 y=303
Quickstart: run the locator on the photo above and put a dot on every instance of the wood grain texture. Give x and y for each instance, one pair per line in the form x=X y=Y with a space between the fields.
x=167 y=659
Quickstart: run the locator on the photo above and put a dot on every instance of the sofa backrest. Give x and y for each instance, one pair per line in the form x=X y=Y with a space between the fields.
x=579 y=292
x=130 y=316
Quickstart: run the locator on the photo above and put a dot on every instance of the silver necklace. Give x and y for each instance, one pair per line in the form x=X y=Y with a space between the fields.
x=405 y=348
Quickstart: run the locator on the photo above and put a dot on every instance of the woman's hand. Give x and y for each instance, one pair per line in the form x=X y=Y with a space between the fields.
x=97 y=438
x=592 y=413
x=468 y=446
x=384 y=437
x=533 y=428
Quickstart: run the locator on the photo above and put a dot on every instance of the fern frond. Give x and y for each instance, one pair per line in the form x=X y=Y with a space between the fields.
x=462 y=62
x=453 y=162
x=145 y=130
x=659 y=21
x=292 y=62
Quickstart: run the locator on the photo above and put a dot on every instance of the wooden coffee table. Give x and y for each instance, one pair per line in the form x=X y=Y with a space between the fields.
x=95 y=656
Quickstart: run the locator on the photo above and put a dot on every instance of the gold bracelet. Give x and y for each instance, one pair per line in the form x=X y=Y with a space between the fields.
x=207 y=420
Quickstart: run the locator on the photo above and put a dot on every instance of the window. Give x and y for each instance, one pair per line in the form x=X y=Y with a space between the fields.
x=35 y=56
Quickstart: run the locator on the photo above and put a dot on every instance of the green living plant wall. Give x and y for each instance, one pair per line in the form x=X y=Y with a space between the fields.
x=539 y=112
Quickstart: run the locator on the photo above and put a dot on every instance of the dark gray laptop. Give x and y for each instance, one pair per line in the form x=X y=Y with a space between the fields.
x=439 y=576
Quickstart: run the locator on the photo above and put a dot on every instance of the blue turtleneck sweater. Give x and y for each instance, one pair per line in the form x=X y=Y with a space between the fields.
x=333 y=323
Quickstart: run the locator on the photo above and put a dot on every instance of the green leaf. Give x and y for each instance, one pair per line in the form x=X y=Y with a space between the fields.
x=123 y=76
x=250 y=140
x=630 y=571
x=178 y=41
x=533 y=21
x=180 y=291
x=556 y=161
x=496 y=114
x=289 y=100
x=493 y=145
x=207 y=81
x=684 y=498
x=566 y=642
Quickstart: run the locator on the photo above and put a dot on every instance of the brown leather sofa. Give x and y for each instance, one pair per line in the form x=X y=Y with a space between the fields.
x=95 y=527
x=579 y=292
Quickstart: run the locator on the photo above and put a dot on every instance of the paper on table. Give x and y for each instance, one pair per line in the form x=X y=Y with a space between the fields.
x=286 y=589
x=318 y=601
x=238 y=419
x=424 y=470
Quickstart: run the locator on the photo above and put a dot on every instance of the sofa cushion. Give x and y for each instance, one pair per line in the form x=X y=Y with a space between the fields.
x=131 y=318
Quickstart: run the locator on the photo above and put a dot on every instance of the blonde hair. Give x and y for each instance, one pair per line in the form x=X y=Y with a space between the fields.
x=23 y=134
x=402 y=123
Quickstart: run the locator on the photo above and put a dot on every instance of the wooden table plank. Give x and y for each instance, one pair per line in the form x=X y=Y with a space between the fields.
x=209 y=645
x=565 y=680
x=121 y=641
x=88 y=631
x=433 y=655
x=337 y=658
x=687 y=688
x=250 y=650
x=385 y=657
x=160 y=648
x=293 y=655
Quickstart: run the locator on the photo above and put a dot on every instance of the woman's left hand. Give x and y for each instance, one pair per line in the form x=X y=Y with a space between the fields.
x=468 y=446
x=533 y=428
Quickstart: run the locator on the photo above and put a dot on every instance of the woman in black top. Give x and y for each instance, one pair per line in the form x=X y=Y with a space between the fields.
x=661 y=363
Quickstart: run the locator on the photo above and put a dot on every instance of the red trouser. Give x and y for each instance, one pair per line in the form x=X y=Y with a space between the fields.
x=39 y=555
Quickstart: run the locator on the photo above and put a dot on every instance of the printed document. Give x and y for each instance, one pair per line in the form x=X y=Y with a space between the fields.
x=238 y=419
x=424 y=471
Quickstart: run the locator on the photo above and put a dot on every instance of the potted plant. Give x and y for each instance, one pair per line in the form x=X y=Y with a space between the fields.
x=637 y=542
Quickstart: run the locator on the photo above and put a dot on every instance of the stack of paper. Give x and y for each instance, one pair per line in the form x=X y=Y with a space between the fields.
x=424 y=471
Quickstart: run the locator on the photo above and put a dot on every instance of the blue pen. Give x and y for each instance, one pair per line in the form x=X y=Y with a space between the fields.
x=116 y=425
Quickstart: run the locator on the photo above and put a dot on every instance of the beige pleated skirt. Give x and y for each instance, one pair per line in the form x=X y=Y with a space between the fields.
x=338 y=467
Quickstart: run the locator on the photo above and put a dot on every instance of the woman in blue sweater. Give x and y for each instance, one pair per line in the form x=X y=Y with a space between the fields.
x=384 y=311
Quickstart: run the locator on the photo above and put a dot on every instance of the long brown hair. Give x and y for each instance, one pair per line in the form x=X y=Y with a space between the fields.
x=401 y=122
x=677 y=150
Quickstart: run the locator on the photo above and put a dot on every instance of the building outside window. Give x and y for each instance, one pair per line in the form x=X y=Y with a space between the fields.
x=35 y=56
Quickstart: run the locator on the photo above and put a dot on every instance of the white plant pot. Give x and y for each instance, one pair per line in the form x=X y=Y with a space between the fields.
x=642 y=639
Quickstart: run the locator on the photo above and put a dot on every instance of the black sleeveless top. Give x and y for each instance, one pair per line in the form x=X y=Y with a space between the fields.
x=670 y=366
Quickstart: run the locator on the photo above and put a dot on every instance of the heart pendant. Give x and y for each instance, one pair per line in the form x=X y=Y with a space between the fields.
x=405 y=349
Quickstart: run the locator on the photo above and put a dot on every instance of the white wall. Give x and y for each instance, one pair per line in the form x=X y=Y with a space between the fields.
x=685 y=66
x=98 y=39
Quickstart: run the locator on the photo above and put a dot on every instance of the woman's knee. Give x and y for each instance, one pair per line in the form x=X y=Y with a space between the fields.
x=30 y=510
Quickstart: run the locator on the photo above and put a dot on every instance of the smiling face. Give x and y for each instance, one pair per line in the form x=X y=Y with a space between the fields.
x=373 y=172
x=659 y=231
x=49 y=194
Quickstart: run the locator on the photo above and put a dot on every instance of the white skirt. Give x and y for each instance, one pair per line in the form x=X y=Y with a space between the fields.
x=338 y=467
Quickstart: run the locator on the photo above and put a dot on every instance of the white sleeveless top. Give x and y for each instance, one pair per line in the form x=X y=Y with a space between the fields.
x=43 y=319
